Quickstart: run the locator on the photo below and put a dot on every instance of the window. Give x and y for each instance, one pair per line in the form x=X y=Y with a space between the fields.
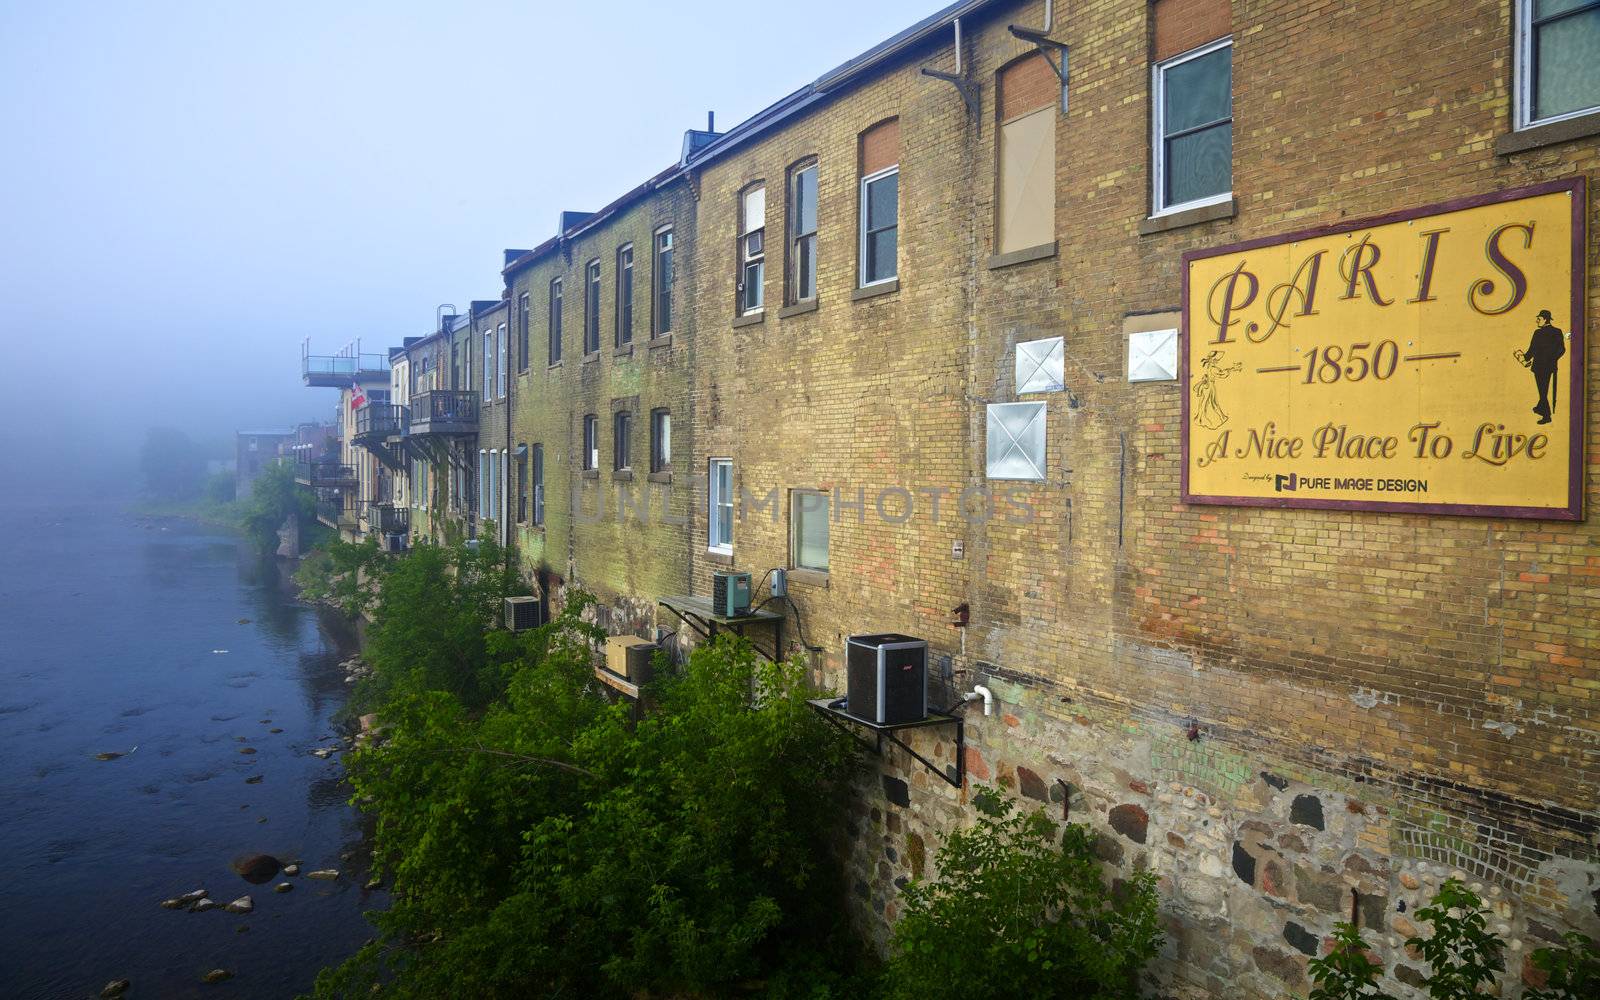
x=591 y=442
x=660 y=440
x=1194 y=128
x=522 y=484
x=625 y=295
x=1016 y=441
x=662 y=282
x=1025 y=206
x=522 y=332
x=719 y=506
x=591 y=308
x=808 y=530
x=752 y=248
x=502 y=360
x=803 y=233
x=621 y=438
x=483 y=484
x=555 y=321
x=488 y=365
x=538 y=484
x=1558 y=59
x=880 y=203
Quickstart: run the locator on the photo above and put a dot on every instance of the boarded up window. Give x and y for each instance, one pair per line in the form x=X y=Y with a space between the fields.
x=1182 y=25
x=880 y=147
x=1026 y=205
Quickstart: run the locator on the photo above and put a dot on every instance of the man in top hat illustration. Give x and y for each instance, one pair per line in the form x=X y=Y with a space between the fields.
x=1541 y=357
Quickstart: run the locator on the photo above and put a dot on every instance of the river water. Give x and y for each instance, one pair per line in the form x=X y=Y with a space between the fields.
x=175 y=646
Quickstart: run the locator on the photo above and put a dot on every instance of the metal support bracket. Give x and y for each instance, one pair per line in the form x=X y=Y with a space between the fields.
x=835 y=716
x=968 y=89
x=1045 y=45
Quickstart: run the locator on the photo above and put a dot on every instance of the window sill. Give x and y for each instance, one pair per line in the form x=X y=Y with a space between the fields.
x=798 y=309
x=1024 y=256
x=719 y=558
x=665 y=340
x=809 y=577
x=1188 y=217
x=591 y=473
x=751 y=320
x=625 y=351
x=1539 y=136
x=661 y=477
x=622 y=475
x=552 y=366
x=873 y=291
x=591 y=357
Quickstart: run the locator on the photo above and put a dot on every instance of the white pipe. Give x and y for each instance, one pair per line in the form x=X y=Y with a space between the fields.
x=958 y=44
x=1049 y=15
x=979 y=691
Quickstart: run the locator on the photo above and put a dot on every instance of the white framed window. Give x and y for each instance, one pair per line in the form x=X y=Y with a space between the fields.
x=621 y=440
x=503 y=361
x=880 y=226
x=483 y=484
x=660 y=440
x=555 y=320
x=719 y=506
x=488 y=365
x=591 y=442
x=661 y=284
x=624 y=323
x=591 y=308
x=1557 y=60
x=808 y=530
x=1192 y=144
x=752 y=249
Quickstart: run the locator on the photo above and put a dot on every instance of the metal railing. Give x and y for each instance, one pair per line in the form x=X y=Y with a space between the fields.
x=381 y=420
x=324 y=474
x=386 y=518
x=342 y=365
x=444 y=410
x=336 y=510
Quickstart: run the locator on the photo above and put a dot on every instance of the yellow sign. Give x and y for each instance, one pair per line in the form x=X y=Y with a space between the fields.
x=1427 y=361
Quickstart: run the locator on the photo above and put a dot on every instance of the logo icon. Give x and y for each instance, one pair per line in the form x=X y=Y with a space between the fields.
x=1285 y=483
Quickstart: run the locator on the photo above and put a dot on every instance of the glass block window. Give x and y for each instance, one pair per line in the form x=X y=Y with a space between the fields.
x=1040 y=366
x=1016 y=441
x=1153 y=356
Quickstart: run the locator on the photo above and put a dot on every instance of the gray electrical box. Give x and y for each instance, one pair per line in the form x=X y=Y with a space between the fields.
x=780 y=583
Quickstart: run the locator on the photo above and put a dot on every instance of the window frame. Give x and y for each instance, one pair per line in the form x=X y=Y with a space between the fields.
x=622 y=335
x=502 y=360
x=714 y=502
x=795 y=504
x=522 y=483
x=793 y=236
x=864 y=231
x=536 y=455
x=660 y=458
x=557 y=304
x=621 y=441
x=591 y=307
x=747 y=260
x=522 y=332
x=1158 y=138
x=1525 y=70
x=591 y=442
x=488 y=359
x=661 y=289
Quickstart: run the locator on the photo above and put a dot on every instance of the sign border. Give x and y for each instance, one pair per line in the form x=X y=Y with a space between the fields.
x=1576 y=370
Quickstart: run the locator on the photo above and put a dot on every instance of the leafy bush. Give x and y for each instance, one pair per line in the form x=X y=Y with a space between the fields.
x=544 y=843
x=344 y=574
x=1009 y=907
x=1573 y=970
x=274 y=498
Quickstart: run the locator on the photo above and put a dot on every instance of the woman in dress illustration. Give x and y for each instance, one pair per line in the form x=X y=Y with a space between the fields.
x=1207 y=413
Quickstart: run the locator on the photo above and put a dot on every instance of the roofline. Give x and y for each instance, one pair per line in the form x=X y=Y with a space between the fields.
x=598 y=218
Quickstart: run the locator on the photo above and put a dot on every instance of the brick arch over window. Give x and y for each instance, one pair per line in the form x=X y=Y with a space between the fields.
x=1182 y=25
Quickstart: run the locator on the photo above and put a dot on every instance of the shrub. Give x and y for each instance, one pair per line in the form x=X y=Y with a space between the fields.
x=1010 y=907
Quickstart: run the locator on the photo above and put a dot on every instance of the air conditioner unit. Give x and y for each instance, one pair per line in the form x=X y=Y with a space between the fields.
x=630 y=656
x=394 y=542
x=887 y=678
x=730 y=594
x=472 y=545
x=524 y=613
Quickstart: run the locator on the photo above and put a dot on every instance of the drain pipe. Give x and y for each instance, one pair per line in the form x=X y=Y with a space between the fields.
x=980 y=692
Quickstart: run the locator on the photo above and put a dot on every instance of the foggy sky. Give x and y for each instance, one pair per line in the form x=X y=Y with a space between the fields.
x=190 y=189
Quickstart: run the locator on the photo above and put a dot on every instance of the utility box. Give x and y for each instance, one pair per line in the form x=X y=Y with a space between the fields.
x=886 y=676
x=524 y=613
x=730 y=594
x=630 y=657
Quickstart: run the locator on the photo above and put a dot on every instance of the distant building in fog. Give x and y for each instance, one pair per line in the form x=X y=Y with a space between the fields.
x=253 y=452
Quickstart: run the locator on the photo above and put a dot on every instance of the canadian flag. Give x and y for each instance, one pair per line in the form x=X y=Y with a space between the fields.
x=358 y=396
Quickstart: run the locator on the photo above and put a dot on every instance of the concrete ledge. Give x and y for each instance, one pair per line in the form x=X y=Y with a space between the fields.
x=798 y=309
x=622 y=475
x=719 y=558
x=625 y=351
x=1040 y=252
x=665 y=340
x=591 y=473
x=552 y=366
x=750 y=320
x=1194 y=216
x=661 y=477
x=1548 y=135
x=873 y=291
x=591 y=357
x=809 y=577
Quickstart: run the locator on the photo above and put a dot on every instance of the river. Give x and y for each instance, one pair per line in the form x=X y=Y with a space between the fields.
x=175 y=646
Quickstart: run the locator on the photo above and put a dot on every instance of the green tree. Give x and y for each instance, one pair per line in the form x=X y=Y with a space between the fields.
x=1573 y=970
x=171 y=464
x=1012 y=907
x=274 y=498
x=1463 y=957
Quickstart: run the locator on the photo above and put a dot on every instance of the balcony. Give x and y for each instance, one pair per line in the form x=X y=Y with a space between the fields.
x=337 y=371
x=325 y=475
x=378 y=422
x=439 y=412
x=387 y=519
x=337 y=510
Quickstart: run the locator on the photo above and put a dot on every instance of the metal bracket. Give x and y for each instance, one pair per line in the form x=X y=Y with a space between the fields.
x=968 y=89
x=1044 y=45
x=833 y=715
